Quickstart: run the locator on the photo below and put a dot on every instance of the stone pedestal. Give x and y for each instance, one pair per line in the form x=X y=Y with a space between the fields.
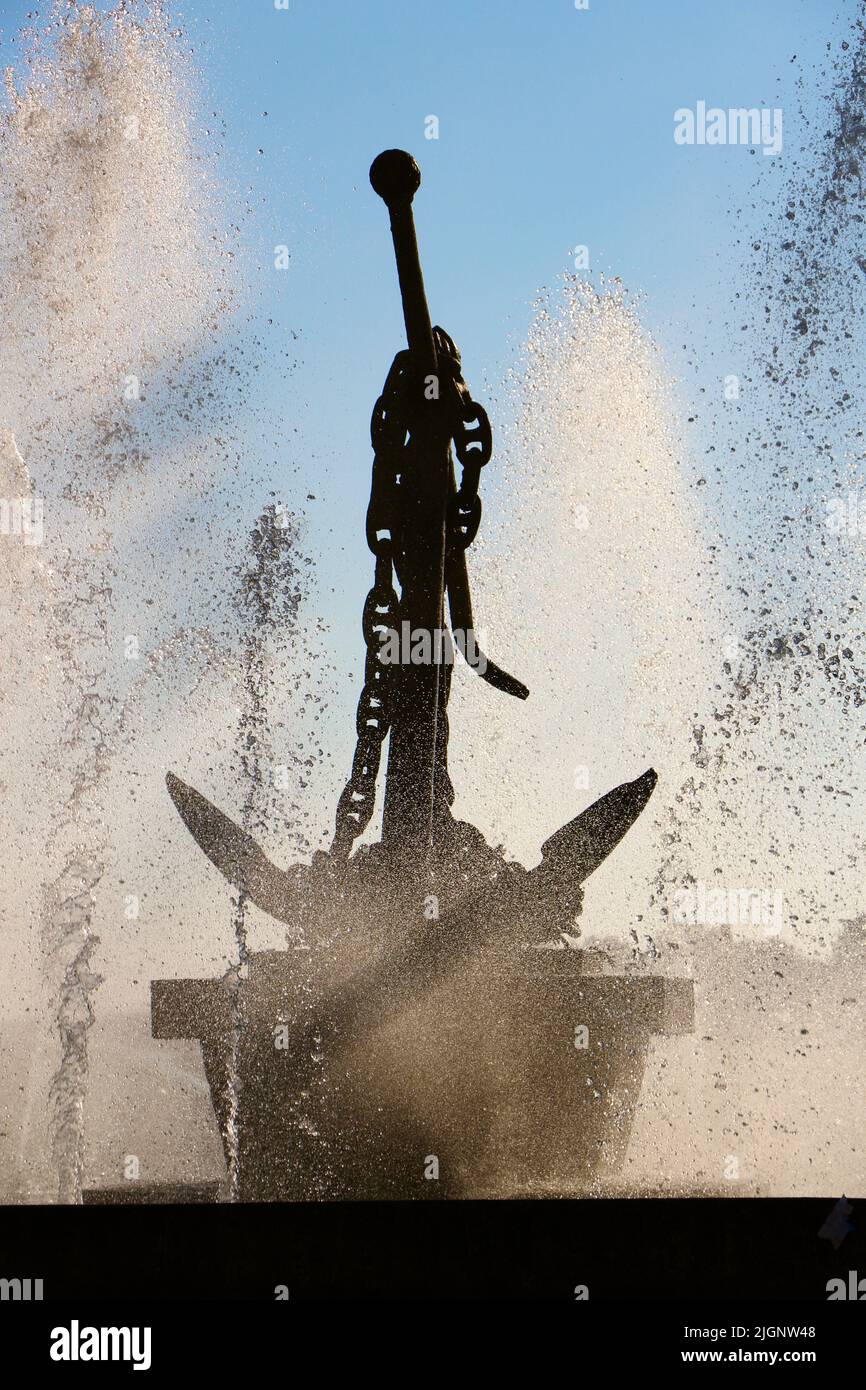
x=502 y=1080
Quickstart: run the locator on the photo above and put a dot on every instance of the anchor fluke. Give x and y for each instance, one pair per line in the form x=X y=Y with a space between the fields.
x=580 y=846
x=235 y=853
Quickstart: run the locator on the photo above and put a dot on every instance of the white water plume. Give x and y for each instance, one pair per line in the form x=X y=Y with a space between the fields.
x=112 y=280
x=591 y=579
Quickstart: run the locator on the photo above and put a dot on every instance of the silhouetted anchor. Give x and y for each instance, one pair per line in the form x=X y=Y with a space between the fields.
x=442 y=1033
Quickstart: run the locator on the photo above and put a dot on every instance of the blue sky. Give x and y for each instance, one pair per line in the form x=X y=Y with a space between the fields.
x=555 y=129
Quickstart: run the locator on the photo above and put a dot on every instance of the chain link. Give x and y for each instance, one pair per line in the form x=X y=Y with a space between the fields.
x=473 y=443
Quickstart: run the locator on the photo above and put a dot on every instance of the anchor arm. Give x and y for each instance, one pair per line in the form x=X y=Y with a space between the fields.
x=235 y=853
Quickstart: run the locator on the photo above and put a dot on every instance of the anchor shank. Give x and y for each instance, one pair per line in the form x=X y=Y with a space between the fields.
x=412 y=786
x=409 y=812
x=416 y=314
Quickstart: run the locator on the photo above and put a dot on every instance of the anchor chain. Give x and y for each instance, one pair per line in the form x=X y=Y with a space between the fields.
x=389 y=425
x=473 y=443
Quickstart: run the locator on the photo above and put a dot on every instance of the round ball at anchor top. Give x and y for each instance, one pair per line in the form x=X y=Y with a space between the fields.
x=395 y=176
